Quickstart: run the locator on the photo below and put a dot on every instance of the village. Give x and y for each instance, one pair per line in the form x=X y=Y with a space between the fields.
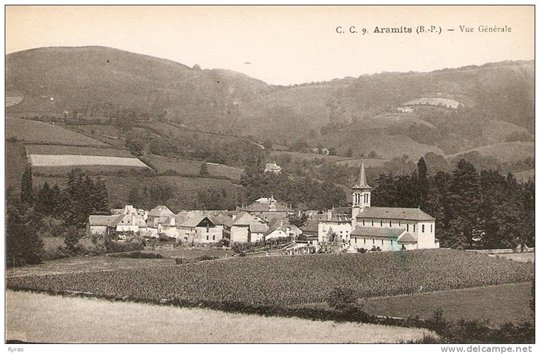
x=358 y=228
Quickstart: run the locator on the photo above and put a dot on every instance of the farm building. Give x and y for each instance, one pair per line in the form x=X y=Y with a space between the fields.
x=247 y=228
x=158 y=215
x=102 y=225
x=198 y=228
x=132 y=220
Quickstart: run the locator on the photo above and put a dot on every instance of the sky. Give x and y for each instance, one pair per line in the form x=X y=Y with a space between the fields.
x=284 y=45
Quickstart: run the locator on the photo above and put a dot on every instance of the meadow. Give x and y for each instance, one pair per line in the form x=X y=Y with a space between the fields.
x=497 y=304
x=58 y=319
x=31 y=131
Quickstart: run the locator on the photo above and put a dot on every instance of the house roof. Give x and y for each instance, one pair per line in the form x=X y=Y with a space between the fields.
x=196 y=220
x=271 y=230
x=104 y=220
x=395 y=214
x=311 y=225
x=160 y=210
x=243 y=218
x=377 y=232
x=223 y=219
x=258 y=227
x=407 y=238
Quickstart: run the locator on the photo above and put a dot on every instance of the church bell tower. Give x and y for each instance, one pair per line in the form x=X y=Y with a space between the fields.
x=361 y=196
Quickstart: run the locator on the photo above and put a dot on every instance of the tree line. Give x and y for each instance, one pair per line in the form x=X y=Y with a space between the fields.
x=50 y=211
x=472 y=208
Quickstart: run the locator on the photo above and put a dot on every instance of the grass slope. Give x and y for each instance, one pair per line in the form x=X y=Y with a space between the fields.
x=512 y=151
x=498 y=304
x=31 y=131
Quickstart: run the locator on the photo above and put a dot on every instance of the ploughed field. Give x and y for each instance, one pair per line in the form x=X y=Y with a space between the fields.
x=287 y=281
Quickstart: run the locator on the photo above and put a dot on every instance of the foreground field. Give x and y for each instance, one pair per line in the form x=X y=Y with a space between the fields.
x=498 y=304
x=57 y=319
x=286 y=281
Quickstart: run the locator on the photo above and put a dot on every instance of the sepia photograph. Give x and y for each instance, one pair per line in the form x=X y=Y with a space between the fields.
x=261 y=174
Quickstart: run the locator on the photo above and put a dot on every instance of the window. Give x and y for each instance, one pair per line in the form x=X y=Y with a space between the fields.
x=431 y=227
x=391 y=242
x=364 y=241
x=355 y=240
x=381 y=223
x=390 y=223
x=363 y=222
x=423 y=228
x=407 y=227
x=214 y=237
x=206 y=237
x=371 y=222
x=399 y=222
x=373 y=240
x=382 y=242
x=414 y=228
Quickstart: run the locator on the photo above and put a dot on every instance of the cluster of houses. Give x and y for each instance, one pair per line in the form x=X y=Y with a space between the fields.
x=359 y=227
x=263 y=220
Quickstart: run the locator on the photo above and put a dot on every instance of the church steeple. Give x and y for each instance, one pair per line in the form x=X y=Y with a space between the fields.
x=361 y=196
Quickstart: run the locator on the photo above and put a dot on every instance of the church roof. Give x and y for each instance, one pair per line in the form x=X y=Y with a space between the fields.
x=407 y=237
x=377 y=232
x=395 y=213
x=361 y=183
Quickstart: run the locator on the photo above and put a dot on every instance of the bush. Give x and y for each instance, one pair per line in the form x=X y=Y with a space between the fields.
x=117 y=247
x=341 y=298
x=137 y=254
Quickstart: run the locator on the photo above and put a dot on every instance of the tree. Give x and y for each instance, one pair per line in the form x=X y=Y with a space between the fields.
x=100 y=197
x=27 y=192
x=372 y=155
x=136 y=147
x=204 y=170
x=423 y=182
x=465 y=199
x=349 y=152
x=44 y=200
x=23 y=244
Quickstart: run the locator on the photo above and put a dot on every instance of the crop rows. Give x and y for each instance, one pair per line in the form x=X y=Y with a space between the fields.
x=286 y=281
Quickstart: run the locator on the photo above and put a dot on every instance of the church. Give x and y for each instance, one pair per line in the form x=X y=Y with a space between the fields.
x=385 y=228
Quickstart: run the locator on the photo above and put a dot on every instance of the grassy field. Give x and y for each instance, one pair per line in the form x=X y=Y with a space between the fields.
x=183 y=166
x=498 y=304
x=287 y=281
x=56 y=319
x=508 y=152
x=31 y=131
x=518 y=257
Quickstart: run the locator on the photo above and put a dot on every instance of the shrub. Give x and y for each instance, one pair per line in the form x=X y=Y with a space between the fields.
x=137 y=254
x=341 y=298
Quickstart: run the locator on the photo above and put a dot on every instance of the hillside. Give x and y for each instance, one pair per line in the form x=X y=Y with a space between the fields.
x=100 y=81
x=111 y=95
